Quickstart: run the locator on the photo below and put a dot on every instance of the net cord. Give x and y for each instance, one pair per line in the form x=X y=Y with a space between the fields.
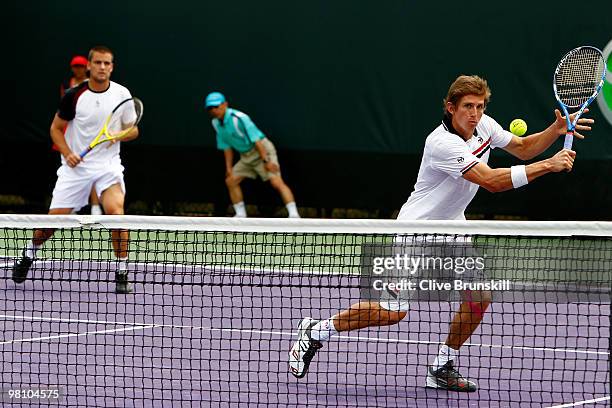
x=321 y=226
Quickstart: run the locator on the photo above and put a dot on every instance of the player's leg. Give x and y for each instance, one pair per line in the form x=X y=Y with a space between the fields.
x=467 y=318
x=313 y=333
x=69 y=194
x=235 y=192
x=442 y=373
x=286 y=194
x=275 y=178
x=112 y=199
x=22 y=265
x=241 y=170
x=94 y=202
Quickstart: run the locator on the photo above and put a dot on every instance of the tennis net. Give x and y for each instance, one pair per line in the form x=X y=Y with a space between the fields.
x=217 y=301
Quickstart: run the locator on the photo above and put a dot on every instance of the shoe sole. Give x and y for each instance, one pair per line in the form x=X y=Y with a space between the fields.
x=19 y=274
x=431 y=382
x=303 y=325
x=125 y=291
x=19 y=279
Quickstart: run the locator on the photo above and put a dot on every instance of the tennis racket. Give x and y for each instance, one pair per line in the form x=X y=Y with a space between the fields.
x=578 y=79
x=119 y=123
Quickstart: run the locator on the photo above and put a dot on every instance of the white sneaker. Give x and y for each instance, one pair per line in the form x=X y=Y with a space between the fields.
x=303 y=349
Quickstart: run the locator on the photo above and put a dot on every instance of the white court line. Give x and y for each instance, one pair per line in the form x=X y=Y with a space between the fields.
x=61 y=336
x=134 y=266
x=64 y=320
x=101 y=265
x=291 y=334
x=575 y=404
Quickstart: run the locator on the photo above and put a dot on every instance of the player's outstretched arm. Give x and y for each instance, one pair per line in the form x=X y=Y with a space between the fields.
x=528 y=147
x=503 y=179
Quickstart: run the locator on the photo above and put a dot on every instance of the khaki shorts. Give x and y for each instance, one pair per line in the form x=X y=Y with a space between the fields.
x=251 y=165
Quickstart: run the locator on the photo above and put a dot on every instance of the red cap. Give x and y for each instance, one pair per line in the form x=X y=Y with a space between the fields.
x=78 y=60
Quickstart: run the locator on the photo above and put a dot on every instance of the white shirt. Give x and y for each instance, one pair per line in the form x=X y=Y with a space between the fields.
x=86 y=110
x=441 y=193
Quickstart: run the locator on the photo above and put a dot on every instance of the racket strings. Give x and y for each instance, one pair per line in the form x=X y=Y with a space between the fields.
x=578 y=76
x=125 y=117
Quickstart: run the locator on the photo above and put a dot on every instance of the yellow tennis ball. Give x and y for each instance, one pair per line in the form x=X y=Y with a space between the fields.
x=518 y=127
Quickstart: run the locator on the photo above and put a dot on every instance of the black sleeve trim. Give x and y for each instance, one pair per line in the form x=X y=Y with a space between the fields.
x=67 y=106
x=469 y=167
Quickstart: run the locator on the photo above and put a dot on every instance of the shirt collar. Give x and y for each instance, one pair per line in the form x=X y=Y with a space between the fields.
x=228 y=116
x=447 y=122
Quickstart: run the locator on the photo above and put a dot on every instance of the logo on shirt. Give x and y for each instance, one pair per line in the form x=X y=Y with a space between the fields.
x=480 y=139
x=460 y=159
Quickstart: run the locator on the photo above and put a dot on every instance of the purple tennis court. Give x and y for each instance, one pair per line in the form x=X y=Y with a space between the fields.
x=190 y=337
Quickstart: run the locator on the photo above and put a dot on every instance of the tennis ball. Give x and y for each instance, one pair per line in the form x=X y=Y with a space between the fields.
x=518 y=127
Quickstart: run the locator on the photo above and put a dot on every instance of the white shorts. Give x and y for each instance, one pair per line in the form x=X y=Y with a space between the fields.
x=451 y=249
x=74 y=184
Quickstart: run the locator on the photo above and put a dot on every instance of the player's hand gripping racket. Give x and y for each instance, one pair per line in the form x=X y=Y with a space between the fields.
x=578 y=79
x=119 y=123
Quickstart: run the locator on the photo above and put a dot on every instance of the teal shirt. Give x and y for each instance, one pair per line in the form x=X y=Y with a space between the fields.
x=236 y=131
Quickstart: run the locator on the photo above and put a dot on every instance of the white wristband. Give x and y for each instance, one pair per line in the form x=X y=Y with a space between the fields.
x=519 y=176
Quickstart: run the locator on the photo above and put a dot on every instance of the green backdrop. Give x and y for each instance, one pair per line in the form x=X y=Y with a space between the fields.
x=346 y=79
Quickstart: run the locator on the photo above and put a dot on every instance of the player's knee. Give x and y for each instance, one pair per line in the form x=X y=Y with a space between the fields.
x=479 y=308
x=114 y=210
x=41 y=235
x=231 y=181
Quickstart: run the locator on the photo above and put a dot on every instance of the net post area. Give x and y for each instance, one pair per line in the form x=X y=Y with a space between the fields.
x=230 y=312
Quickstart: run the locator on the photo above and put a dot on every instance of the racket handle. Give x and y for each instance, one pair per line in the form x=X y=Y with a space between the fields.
x=84 y=152
x=569 y=139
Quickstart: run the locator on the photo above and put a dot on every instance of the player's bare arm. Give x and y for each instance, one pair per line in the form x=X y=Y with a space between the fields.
x=528 y=147
x=131 y=135
x=57 y=135
x=497 y=180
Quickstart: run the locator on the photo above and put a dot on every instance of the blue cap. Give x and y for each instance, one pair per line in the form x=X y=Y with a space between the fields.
x=214 y=99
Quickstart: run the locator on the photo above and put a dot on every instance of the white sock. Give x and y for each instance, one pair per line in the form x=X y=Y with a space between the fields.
x=323 y=330
x=96 y=210
x=445 y=355
x=31 y=249
x=292 y=208
x=240 y=209
x=122 y=264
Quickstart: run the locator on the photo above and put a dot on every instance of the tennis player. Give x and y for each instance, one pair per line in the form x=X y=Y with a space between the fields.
x=453 y=167
x=235 y=130
x=82 y=112
x=78 y=66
